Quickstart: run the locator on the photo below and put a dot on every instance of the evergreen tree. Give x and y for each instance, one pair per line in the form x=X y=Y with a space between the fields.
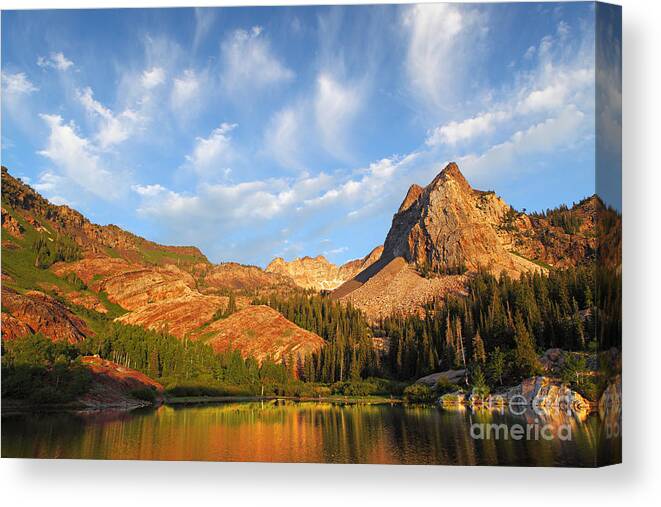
x=479 y=354
x=526 y=360
x=497 y=365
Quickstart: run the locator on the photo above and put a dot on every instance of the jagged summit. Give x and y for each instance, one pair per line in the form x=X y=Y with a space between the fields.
x=415 y=191
x=450 y=173
x=319 y=273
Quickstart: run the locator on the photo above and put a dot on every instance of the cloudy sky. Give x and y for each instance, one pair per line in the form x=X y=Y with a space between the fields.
x=262 y=132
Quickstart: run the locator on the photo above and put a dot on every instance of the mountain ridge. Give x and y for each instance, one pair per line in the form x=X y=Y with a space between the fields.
x=443 y=232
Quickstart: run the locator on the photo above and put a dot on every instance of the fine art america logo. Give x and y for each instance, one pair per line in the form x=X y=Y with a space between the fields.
x=542 y=427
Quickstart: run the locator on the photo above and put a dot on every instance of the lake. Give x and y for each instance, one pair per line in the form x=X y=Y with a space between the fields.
x=315 y=432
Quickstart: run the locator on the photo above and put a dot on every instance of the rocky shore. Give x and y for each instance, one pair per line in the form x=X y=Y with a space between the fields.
x=537 y=392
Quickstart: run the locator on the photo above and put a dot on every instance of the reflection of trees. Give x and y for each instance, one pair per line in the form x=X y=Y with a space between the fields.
x=303 y=432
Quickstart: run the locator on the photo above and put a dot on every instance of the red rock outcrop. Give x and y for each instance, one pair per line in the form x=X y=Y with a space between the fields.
x=112 y=385
x=261 y=331
x=178 y=316
x=36 y=312
x=135 y=289
x=234 y=276
x=11 y=225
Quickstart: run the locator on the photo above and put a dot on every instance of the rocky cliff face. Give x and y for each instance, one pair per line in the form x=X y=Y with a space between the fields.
x=439 y=234
x=233 y=276
x=317 y=273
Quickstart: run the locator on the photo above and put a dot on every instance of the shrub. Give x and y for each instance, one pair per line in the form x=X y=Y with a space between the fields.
x=75 y=282
x=322 y=391
x=179 y=391
x=354 y=388
x=144 y=394
x=387 y=387
x=419 y=393
x=444 y=386
x=591 y=388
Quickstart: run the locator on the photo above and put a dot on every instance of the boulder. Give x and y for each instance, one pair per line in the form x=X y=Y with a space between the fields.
x=547 y=393
x=453 y=399
x=453 y=376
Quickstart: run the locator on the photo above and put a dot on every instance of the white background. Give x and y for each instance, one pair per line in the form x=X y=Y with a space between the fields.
x=637 y=481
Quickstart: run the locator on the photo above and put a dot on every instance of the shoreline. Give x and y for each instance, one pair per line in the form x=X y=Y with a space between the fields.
x=367 y=400
x=16 y=406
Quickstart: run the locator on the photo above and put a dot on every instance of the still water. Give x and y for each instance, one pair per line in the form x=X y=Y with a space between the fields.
x=285 y=431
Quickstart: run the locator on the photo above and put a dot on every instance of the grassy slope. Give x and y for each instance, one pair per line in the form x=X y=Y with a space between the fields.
x=19 y=264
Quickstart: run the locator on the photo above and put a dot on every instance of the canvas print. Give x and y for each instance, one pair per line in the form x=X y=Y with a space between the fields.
x=317 y=234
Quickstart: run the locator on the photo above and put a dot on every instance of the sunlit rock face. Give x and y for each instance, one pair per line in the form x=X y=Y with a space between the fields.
x=448 y=226
x=317 y=273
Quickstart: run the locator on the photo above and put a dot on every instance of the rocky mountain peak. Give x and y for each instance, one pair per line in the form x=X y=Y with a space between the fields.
x=450 y=173
x=448 y=228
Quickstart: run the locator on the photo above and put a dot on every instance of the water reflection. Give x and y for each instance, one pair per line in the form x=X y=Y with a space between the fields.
x=282 y=431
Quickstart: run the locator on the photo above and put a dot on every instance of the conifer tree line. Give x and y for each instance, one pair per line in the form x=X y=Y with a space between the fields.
x=349 y=353
x=160 y=355
x=503 y=324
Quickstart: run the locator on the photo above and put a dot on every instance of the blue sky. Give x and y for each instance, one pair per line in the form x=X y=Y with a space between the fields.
x=262 y=132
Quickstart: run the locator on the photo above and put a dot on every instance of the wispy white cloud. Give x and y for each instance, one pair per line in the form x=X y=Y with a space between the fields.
x=335 y=106
x=249 y=63
x=370 y=184
x=335 y=251
x=17 y=91
x=185 y=90
x=16 y=84
x=56 y=61
x=454 y=132
x=561 y=77
x=435 y=61
x=153 y=190
x=114 y=129
x=204 y=20
x=557 y=133
x=212 y=155
x=50 y=184
x=153 y=77
x=284 y=136
x=77 y=160
x=228 y=206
